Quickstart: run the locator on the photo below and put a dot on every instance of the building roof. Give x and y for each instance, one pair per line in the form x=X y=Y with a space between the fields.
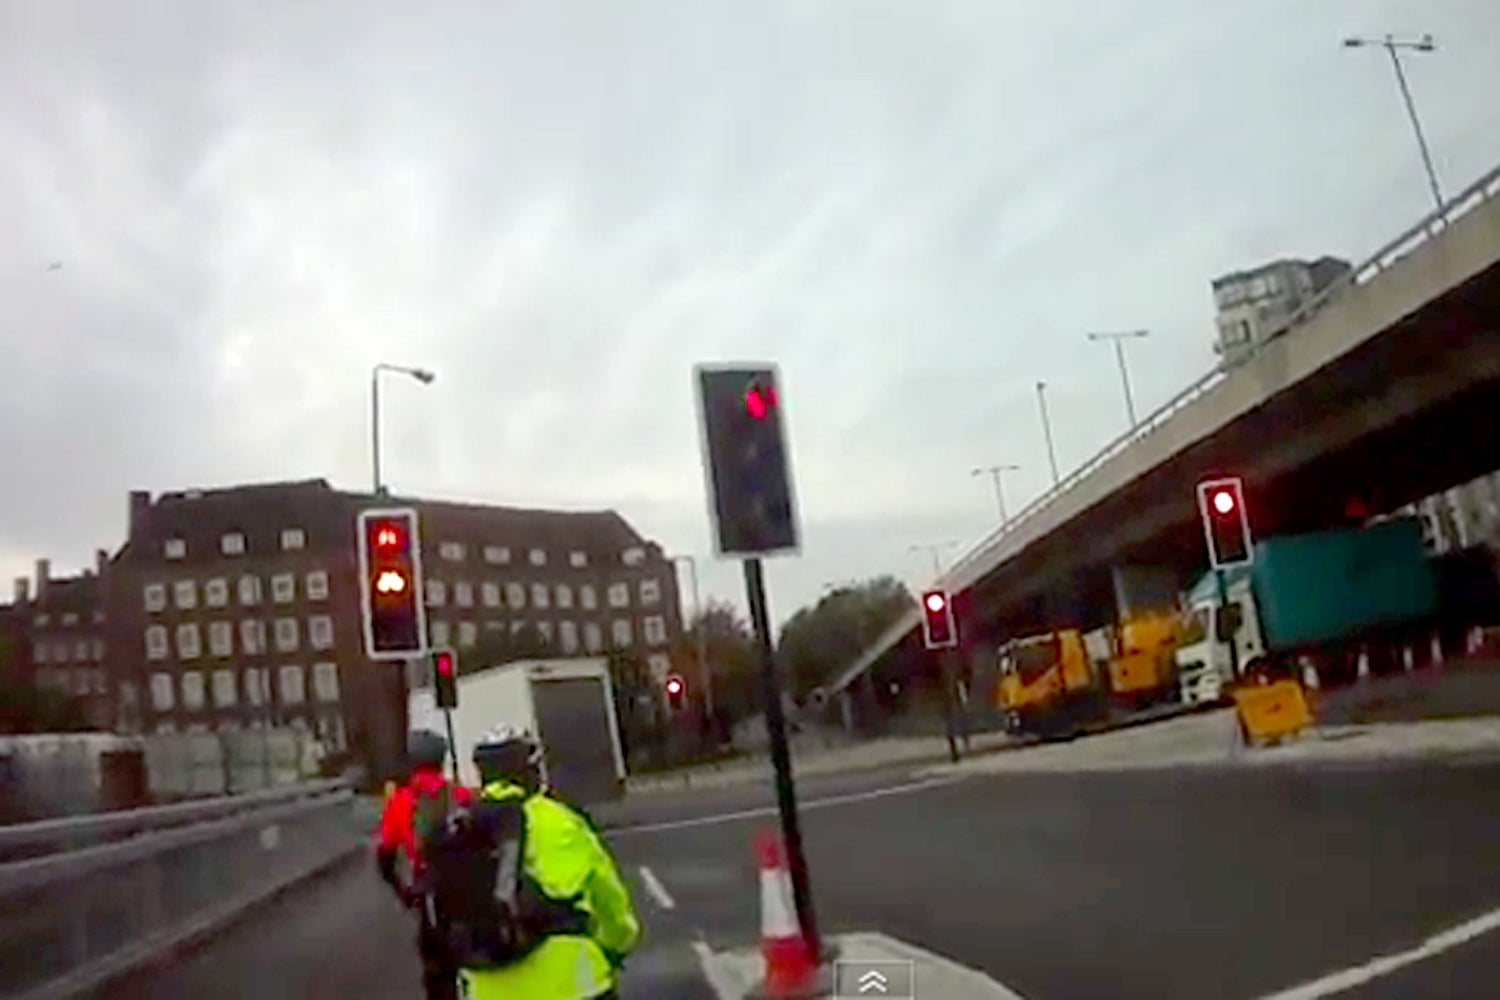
x=74 y=593
x=1324 y=263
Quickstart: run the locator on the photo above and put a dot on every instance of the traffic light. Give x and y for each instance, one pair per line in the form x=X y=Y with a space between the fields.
x=745 y=457
x=939 y=629
x=1226 y=522
x=445 y=678
x=676 y=690
x=390 y=569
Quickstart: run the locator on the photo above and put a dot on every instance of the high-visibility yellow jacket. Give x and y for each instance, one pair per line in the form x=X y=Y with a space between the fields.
x=568 y=861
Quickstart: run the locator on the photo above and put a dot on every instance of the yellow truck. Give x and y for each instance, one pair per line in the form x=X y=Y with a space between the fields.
x=1143 y=670
x=1046 y=683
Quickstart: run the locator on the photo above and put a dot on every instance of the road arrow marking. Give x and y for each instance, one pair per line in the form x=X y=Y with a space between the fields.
x=873 y=982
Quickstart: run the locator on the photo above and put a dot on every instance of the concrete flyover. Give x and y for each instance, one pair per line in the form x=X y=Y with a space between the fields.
x=1385 y=390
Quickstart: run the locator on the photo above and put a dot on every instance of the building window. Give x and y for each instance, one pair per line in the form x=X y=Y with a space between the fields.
x=81 y=681
x=293 y=539
x=451 y=551
x=98 y=650
x=81 y=650
x=619 y=595
x=257 y=686
x=162 y=692
x=568 y=636
x=286 y=635
x=517 y=626
x=43 y=619
x=98 y=617
x=655 y=629
x=564 y=596
x=490 y=594
x=221 y=639
x=216 y=593
x=185 y=593
x=175 y=548
x=537 y=557
x=253 y=637
x=660 y=665
x=249 y=590
x=442 y=632
x=292 y=692
x=497 y=555
x=539 y=596
x=71 y=618
x=515 y=596
x=189 y=644
x=59 y=652
x=633 y=556
x=326 y=681
x=578 y=560
x=320 y=631
x=154 y=596
x=620 y=633
x=437 y=593
x=96 y=677
x=317 y=585
x=39 y=649
x=587 y=598
x=463 y=595
x=284 y=588
x=192 y=691
x=650 y=592
x=544 y=633
x=232 y=544
x=593 y=637
x=156 y=643
x=468 y=634
x=223 y=688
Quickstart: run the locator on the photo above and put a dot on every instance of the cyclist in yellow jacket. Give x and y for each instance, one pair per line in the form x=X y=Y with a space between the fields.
x=588 y=923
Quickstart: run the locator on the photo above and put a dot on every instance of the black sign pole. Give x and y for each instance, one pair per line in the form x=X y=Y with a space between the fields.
x=781 y=759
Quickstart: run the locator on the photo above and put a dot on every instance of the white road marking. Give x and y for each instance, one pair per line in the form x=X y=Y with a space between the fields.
x=1384 y=965
x=657 y=890
x=834 y=800
x=718 y=981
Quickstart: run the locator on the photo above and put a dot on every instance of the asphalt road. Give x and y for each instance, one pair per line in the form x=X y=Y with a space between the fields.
x=1194 y=884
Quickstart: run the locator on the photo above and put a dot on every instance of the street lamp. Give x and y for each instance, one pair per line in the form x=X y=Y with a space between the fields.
x=708 y=684
x=421 y=375
x=1391 y=46
x=1119 y=339
x=996 y=473
x=1041 y=398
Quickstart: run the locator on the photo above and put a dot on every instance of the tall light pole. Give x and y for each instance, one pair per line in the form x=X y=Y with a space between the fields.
x=1041 y=398
x=708 y=681
x=1119 y=339
x=996 y=473
x=1392 y=47
x=935 y=551
x=421 y=375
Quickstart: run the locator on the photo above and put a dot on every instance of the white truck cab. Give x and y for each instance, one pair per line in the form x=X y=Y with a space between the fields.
x=1203 y=662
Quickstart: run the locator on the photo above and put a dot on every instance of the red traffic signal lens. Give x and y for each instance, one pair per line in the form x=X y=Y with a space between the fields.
x=759 y=400
x=1223 y=502
x=387 y=536
x=935 y=602
x=674 y=685
x=445 y=665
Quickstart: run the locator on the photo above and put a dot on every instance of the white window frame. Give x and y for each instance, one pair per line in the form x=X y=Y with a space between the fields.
x=284 y=588
x=326 y=682
x=650 y=593
x=463 y=594
x=654 y=629
x=158 y=643
x=442 y=633
x=567 y=637
x=537 y=557
x=633 y=556
x=497 y=555
x=225 y=688
x=232 y=543
x=593 y=637
x=468 y=634
x=189 y=641
x=291 y=685
x=154 y=597
x=619 y=595
x=97 y=652
x=174 y=548
x=541 y=598
x=451 y=551
x=253 y=636
x=257 y=686
x=193 y=694
x=489 y=594
x=287 y=635
x=251 y=586
x=320 y=631
x=188 y=588
x=70 y=618
x=619 y=627
x=216 y=593
x=80 y=650
x=563 y=598
x=221 y=639
x=293 y=539
x=578 y=559
x=659 y=665
x=545 y=633
x=588 y=597
x=315 y=585
x=437 y=593
x=515 y=596
x=163 y=692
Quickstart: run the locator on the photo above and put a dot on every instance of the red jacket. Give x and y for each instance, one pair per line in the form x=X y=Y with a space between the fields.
x=397 y=827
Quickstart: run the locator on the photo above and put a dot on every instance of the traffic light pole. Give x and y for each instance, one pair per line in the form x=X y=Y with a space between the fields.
x=781 y=759
x=950 y=707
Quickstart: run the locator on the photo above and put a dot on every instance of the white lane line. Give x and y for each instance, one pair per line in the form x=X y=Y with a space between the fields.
x=1384 y=965
x=835 y=800
x=722 y=984
x=657 y=890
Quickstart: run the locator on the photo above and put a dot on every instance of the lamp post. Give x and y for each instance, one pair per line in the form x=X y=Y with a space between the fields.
x=996 y=473
x=702 y=637
x=1119 y=341
x=1392 y=47
x=421 y=375
x=1041 y=398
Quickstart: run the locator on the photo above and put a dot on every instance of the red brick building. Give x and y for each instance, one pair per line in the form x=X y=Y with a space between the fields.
x=239 y=608
x=60 y=631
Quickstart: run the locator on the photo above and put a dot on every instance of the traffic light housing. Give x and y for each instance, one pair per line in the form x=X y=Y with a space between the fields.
x=939 y=627
x=390 y=570
x=676 y=689
x=445 y=678
x=1226 y=522
x=749 y=477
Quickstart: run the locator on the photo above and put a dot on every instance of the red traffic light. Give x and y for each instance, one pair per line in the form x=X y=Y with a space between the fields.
x=939 y=627
x=1223 y=502
x=445 y=664
x=935 y=602
x=387 y=535
x=674 y=685
x=759 y=400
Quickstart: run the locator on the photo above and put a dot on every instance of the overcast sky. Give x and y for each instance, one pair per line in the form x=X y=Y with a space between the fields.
x=917 y=209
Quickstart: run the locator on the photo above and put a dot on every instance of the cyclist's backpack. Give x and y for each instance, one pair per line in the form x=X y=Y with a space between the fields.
x=493 y=912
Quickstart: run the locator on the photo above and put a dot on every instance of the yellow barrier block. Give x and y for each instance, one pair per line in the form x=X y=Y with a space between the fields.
x=1271 y=711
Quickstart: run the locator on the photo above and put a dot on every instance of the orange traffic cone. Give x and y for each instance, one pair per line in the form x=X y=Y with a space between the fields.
x=790 y=968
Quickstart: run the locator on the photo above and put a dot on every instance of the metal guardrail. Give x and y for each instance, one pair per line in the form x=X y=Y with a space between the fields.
x=963 y=572
x=72 y=921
